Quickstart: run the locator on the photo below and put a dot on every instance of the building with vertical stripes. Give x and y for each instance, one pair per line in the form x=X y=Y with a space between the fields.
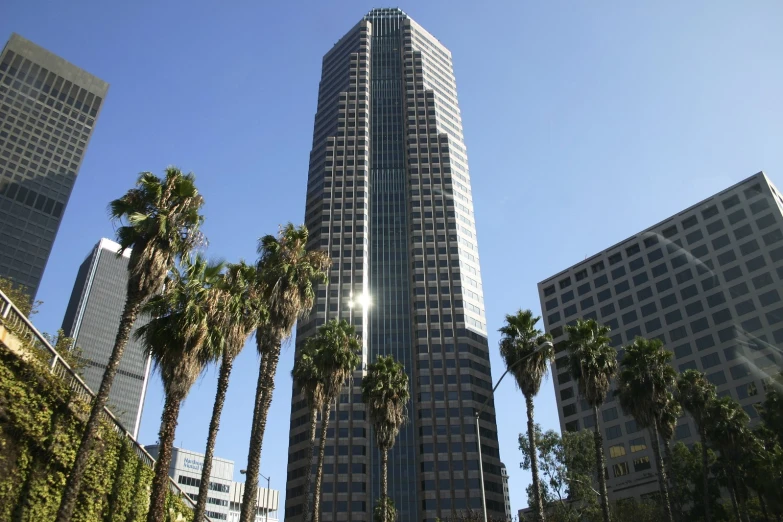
x=389 y=197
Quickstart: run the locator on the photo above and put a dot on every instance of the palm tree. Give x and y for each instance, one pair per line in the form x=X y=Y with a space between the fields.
x=178 y=338
x=385 y=393
x=666 y=420
x=527 y=358
x=286 y=271
x=727 y=429
x=159 y=220
x=236 y=314
x=645 y=380
x=593 y=364
x=336 y=353
x=695 y=393
x=307 y=379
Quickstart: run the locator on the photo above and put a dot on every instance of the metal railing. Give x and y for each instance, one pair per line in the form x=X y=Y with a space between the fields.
x=21 y=327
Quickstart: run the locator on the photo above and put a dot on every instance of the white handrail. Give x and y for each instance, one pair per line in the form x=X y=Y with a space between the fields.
x=20 y=326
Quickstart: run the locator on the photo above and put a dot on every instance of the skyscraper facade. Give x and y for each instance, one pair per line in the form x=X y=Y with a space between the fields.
x=48 y=109
x=388 y=196
x=93 y=318
x=708 y=282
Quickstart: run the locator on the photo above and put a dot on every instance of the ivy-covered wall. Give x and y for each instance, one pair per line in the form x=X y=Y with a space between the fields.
x=40 y=430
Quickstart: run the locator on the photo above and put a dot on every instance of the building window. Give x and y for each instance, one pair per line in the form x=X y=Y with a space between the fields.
x=641 y=464
x=620 y=469
x=637 y=445
x=618 y=450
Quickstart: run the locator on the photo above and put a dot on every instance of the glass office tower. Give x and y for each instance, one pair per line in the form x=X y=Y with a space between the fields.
x=389 y=197
x=48 y=109
x=92 y=320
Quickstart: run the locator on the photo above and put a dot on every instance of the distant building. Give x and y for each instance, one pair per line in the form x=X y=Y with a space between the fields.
x=48 y=109
x=224 y=501
x=708 y=282
x=506 y=495
x=93 y=318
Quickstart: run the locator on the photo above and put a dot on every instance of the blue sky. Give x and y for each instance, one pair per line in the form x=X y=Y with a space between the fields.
x=585 y=122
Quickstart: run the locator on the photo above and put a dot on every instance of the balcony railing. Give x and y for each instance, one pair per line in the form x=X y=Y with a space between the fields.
x=15 y=321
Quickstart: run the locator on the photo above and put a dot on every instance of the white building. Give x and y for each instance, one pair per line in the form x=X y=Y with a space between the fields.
x=224 y=500
x=506 y=495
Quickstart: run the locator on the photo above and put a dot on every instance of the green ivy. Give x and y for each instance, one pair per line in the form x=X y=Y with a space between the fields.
x=41 y=423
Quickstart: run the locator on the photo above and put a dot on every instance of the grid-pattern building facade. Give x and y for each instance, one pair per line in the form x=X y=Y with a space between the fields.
x=389 y=198
x=48 y=109
x=93 y=318
x=708 y=282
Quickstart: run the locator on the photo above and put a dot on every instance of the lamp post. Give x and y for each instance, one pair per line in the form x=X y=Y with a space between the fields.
x=266 y=496
x=543 y=345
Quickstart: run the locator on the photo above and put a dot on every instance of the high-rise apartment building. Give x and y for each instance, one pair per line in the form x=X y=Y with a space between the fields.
x=708 y=282
x=48 y=109
x=388 y=196
x=93 y=318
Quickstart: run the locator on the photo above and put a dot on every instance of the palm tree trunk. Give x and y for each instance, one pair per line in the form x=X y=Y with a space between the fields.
x=71 y=492
x=705 y=474
x=763 y=506
x=600 y=465
x=214 y=426
x=264 y=389
x=384 y=481
x=733 y=495
x=160 y=482
x=309 y=476
x=319 y=470
x=531 y=436
x=671 y=485
x=667 y=508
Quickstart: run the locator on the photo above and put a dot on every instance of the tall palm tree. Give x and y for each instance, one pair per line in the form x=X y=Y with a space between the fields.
x=666 y=420
x=236 y=314
x=385 y=393
x=336 y=356
x=593 y=364
x=727 y=429
x=645 y=380
x=159 y=220
x=307 y=379
x=521 y=348
x=286 y=271
x=695 y=393
x=178 y=338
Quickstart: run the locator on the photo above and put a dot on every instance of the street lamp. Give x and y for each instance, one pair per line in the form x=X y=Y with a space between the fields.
x=545 y=344
x=266 y=496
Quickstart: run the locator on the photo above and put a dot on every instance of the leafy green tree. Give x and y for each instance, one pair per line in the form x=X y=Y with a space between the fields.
x=178 y=338
x=235 y=312
x=385 y=393
x=765 y=471
x=159 y=220
x=307 y=379
x=286 y=273
x=64 y=346
x=20 y=296
x=644 y=385
x=566 y=465
x=771 y=410
x=686 y=470
x=336 y=352
x=695 y=393
x=593 y=364
x=527 y=357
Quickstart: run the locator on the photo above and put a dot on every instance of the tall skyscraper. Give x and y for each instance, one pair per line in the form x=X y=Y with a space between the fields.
x=93 y=318
x=48 y=109
x=389 y=198
x=708 y=282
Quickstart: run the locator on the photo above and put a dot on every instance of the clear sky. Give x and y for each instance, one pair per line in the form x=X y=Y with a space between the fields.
x=585 y=122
